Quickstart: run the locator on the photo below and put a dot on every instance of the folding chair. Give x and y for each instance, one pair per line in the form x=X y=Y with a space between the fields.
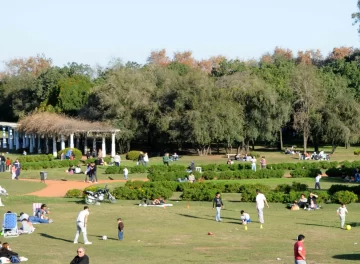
x=36 y=206
x=10 y=228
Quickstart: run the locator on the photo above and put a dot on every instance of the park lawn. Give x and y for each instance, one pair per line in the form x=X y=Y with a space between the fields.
x=14 y=187
x=178 y=234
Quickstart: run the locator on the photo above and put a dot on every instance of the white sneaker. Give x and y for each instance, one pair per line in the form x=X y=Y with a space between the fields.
x=75 y=242
x=88 y=243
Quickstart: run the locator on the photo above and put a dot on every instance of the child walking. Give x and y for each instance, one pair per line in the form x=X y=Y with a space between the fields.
x=13 y=172
x=120 y=229
x=341 y=213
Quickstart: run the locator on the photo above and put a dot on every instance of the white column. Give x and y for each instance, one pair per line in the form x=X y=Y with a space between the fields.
x=10 y=138
x=54 y=147
x=94 y=144
x=23 y=142
x=31 y=146
x=62 y=142
x=85 y=145
x=16 y=140
x=77 y=143
x=71 y=141
x=4 y=145
x=113 y=151
x=39 y=144
x=103 y=147
x=26 y=140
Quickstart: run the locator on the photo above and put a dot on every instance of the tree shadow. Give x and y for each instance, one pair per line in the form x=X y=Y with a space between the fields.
x=56 y=238
x=347 y=256
x=234 y=201
x=77 y=202
x=109 y=238
x=195 y=217
x=317 y=225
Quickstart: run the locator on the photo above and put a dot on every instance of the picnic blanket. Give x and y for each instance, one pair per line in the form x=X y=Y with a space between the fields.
x=6 y=260
x=160 y=205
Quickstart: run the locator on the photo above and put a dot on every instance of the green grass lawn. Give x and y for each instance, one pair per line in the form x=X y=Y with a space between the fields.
x=179 y=234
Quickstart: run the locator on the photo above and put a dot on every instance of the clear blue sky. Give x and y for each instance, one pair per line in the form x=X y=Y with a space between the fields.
x=94 y=32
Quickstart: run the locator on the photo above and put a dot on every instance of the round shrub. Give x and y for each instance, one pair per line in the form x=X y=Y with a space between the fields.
x=303 y=173
x=74 y=193
x=133 y=155
x=77 y=153
x=357 y=152
x=345 y=197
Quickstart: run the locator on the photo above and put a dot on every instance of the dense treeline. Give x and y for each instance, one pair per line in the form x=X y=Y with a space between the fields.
x=182 y=101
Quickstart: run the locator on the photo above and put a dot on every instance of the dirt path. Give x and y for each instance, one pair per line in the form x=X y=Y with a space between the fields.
x=59 y=188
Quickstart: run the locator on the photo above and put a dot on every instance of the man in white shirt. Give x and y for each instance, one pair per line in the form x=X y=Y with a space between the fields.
x=81 y=223
x=341 y=213
x=253 y=163
x=117 y=160
x=260 y=204
x=317 y=181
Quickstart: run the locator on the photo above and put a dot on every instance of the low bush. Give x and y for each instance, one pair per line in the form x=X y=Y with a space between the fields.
x=133 y=155
x=345 y=197
x=106 y=159
x=305 y=173
x=126 y=193
x=296 y=187
x=77 y=153
x=199 y=194
x=74 y=193
x=49 y=164
x=120 y=169
x=357 y=152
x=340 y=187
x=35 y=158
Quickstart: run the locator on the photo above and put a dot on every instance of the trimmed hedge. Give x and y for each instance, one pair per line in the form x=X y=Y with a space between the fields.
x=133 y=155
x=339 y=187
x=119 y=169
x=125 y=193
x=48 y=164
x=305 y=173
x=77 y=153
x=35 y=158
x=106 y=159
x=74 y=193
x=345 y=197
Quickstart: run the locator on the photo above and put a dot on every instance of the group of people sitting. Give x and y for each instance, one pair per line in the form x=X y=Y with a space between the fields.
x=314 y=156
x=305 y=203
x=354 y=178
x=39 y=217
x=291 y=151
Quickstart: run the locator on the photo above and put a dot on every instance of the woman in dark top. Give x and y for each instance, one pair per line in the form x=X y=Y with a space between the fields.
x=6 y=252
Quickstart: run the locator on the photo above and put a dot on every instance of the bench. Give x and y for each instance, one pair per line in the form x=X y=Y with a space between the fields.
x=230 y=155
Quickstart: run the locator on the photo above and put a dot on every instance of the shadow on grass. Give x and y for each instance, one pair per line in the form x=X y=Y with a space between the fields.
x=100 y=237
x=195 y=217
x=318 y=225
x=56 y=238
x=347 y=256
x=77 y=202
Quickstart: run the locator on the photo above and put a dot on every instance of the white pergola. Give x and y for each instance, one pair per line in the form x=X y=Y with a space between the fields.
x=44 y=126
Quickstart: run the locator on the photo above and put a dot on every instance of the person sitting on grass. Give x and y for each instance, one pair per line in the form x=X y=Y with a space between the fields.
x=42 y=212
x=159 y=201
x=71 y=170
x=294 y=206
x=6 y=252
x=302 y=201
x=229 y=162
x=245 y=217
x=34 y=219
x=175 y=157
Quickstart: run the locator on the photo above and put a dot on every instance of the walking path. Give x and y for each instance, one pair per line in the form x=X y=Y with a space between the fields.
x=59 y=188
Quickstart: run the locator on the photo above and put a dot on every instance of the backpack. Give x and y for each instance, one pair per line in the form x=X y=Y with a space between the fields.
x=14 y=259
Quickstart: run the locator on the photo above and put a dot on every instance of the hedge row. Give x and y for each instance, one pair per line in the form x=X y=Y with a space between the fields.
x=303 y=173
x=119 y=169
x=205 y=191
x=35 y=158
x=49 y=164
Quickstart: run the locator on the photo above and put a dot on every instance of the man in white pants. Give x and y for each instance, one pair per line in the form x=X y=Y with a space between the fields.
x=260 y=204
x=81 y=223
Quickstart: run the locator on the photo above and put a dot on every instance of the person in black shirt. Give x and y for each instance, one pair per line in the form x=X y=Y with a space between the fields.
x=80 y=258
x=219 y=205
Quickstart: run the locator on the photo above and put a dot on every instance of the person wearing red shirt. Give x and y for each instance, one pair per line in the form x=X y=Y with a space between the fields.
x=299 y=250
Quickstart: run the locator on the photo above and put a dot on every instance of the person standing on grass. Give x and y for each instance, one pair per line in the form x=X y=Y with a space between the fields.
x=17 y=165
x=317 y=181
x=260 y=204
x=126 y=173
x=253 y=163
x=166 y=159
x=341 y=213
x=299 y=250
x=120 y=229
x=81 y=223
x=80 y=258
x=219 y=205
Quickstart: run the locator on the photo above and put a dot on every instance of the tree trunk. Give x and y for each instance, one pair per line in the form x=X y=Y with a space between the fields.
x=281 y=140
x=333 y=147
x=218 y=148
x=305 y=141
x=253 y=144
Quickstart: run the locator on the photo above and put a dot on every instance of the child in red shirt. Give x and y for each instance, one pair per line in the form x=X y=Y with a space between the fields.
x=299 y=250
